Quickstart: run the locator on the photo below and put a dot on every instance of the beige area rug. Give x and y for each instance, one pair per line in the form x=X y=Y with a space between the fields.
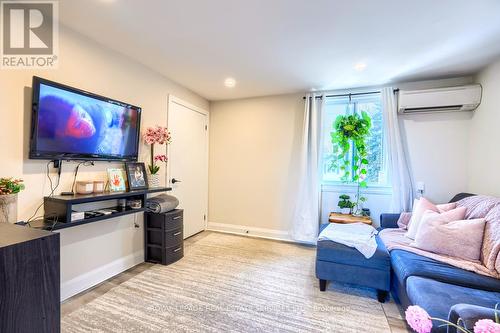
x=228 y=283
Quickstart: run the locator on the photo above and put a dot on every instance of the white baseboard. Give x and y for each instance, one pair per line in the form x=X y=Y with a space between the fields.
x=100 y=274
x=250 y=231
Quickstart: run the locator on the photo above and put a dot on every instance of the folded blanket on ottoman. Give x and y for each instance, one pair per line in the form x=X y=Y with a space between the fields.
x=358 y=235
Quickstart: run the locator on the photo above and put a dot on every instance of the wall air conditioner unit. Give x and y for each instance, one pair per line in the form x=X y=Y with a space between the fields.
x=451 y=99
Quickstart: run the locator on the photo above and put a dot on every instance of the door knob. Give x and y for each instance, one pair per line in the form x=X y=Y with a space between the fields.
x=175 y=181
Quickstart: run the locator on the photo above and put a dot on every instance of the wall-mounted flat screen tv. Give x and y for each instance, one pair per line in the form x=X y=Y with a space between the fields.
x=72 y=124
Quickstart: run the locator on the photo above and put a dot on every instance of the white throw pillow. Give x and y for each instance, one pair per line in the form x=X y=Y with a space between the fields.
x=419 y=209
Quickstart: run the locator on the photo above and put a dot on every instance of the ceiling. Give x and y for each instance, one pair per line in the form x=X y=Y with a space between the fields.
x=284 y=46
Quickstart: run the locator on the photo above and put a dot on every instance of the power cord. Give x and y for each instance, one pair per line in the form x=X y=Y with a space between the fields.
x=28 y=223
x=55 y=220
x=53 y=216
x=52 y=190
x=86 y=163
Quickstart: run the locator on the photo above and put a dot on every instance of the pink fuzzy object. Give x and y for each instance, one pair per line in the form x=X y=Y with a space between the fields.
x=418 y=211
x=404 y=220
x=486 y=326
x=157 y=134
x=418 y=319
x=446 y=207
x=161 y=158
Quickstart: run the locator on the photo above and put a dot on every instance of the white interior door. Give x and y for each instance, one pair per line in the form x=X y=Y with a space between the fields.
x=188 y=162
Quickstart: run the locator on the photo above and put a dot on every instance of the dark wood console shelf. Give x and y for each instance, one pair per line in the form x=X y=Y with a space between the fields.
x=30 y=287
x=83 y=198
x=61 y=206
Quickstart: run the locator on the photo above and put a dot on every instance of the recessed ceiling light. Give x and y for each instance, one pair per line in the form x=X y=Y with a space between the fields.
x=230 y=82
x=360 y=66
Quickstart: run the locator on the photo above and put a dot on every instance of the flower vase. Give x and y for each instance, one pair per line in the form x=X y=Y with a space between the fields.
x=154 y=180
x=8 y=208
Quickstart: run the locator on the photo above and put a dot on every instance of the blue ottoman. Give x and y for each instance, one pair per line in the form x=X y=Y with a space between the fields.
x=340 y=263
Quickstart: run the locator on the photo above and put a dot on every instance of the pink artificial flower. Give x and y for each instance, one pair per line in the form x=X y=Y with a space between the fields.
x=161 y=158
x=486 y=326
x=162 y=135
x=149 y=136
x=418 y=319
x=157 y=134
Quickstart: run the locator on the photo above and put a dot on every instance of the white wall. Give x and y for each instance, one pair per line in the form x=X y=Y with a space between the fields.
x=437 y=144
x=484 y=151
x=91 y=252
x=254 y=145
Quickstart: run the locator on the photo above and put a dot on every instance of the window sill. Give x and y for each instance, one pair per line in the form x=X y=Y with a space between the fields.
x=340 y=187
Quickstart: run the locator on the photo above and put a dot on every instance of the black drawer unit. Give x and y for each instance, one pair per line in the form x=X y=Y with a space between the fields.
x=164 y=237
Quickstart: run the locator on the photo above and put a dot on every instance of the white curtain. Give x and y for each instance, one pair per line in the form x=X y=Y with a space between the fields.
x=305 y=224
x=399 y=171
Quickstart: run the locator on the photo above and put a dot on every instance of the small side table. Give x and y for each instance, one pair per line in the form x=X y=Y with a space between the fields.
x=349 y=218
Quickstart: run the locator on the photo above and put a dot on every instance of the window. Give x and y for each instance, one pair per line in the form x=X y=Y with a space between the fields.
x=370 y=103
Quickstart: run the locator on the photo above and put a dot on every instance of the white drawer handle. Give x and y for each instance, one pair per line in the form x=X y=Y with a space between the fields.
x=177 y=217
x=177 y=250
x=177 y=233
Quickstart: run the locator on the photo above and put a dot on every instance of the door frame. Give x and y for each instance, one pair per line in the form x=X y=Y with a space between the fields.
x=171 y=99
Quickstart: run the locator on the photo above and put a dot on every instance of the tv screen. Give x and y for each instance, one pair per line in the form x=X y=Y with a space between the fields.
x=72 y=124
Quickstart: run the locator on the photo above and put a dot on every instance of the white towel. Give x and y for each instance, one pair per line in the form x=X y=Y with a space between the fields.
x=361 y=236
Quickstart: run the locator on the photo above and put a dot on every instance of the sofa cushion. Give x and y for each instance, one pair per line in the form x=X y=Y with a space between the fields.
x=389 y=220
x=461 y=196
x=406 y=264
x=437 y=298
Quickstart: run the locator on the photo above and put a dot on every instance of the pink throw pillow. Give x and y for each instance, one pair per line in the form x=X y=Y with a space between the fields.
x=431 y=217
x=418 y=211
x=461 y=239
x=446 y=207
x=404 y=220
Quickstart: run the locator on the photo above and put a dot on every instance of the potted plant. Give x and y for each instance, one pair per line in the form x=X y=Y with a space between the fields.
x=349 y=140
x=9 y=188
x=345 y=204
x=156 y=135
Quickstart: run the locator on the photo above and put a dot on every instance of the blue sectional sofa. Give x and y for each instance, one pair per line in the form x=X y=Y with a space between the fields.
x=444 y=291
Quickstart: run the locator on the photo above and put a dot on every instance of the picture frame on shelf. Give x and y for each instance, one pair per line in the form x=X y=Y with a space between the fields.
x=116 y=180
x=136 y=176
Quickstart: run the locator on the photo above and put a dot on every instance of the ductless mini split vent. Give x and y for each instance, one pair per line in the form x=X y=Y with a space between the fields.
x=451 y=99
